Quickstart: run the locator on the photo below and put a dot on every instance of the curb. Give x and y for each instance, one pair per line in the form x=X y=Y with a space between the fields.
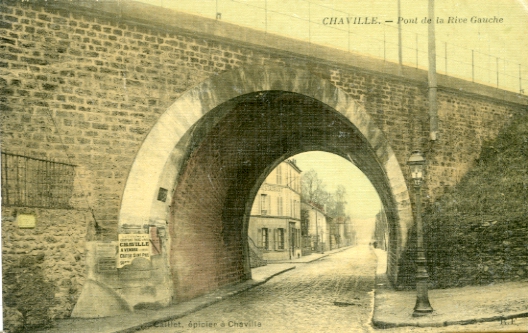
x=384 y=325
x=381 y=324
x=341 y=249
x=206 y=303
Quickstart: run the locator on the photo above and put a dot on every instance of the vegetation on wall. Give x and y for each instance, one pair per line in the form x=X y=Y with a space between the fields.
x=476 y=233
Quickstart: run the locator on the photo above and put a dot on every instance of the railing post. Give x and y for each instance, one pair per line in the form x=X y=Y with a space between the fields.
x=416 y=50
x=445 y=57
x=349 y=39
x=520 y=80
x=218 y=14
x=309 y=22
x=497 y=62
x=400 y=52
x=473 y=65
x=385 y=47
x=266 y=17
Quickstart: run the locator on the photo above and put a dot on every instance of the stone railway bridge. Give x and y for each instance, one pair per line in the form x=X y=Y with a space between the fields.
x=173 y=122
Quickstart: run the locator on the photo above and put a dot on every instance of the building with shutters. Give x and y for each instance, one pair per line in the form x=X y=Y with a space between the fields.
x=317 y=226
x=275 y=223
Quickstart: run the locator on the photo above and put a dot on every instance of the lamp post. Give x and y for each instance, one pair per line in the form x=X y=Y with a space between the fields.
x=423 y=307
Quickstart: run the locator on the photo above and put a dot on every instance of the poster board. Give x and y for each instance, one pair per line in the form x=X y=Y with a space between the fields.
x=132 y=246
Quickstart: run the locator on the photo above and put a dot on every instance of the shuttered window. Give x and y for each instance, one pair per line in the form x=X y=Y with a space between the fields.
x=280 y=239
x=265 y=238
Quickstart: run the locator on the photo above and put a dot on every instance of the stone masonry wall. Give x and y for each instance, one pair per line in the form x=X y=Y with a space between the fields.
x=87 y=87
x=476 y=233
x=105 y=83
x=43 y=267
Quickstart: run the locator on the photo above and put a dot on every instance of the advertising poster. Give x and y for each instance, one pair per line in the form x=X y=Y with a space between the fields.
x=132 y=246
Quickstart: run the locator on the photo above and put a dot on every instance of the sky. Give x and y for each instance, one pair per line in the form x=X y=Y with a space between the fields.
x=363 y=200
x=458 y=39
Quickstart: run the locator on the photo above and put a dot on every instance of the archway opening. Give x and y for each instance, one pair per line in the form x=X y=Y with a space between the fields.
x=313 y=203
x=224 y=167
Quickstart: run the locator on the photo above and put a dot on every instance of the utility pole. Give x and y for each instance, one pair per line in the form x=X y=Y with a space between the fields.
x=432 y=82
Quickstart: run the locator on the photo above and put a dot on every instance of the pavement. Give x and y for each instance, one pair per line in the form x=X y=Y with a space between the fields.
x=301 y=300
x=146 y=318
x=453 y=306
x=307 y=259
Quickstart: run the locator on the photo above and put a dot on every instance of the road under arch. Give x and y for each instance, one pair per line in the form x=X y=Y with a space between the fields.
x=213 y=148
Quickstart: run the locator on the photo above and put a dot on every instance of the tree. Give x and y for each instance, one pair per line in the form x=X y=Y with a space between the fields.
x=338 y=202
x=313 y=188
x=314 y=191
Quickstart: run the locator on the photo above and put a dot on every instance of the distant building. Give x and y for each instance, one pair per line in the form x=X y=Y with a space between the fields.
x=350 y=232
x=275 y=222
x=337 y=232
x=316 y=225
x=381 y=231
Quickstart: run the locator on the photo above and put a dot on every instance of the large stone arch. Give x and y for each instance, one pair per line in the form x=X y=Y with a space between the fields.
x=200 y=166
x=165 y=149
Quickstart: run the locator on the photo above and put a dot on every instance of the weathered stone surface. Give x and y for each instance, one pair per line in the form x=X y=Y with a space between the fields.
x=87 y=88
x=43 y=271
x=477 y=232
x=108 y=302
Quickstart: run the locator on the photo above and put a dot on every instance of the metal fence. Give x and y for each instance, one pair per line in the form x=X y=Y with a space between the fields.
x=34 y=182
x=275 y=16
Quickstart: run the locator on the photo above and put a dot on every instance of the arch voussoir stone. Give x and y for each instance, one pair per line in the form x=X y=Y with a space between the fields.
x=195 y=113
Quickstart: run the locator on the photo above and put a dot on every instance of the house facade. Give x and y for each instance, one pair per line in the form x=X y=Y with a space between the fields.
x=337 y=232
x=275 y=221
x=317 y=226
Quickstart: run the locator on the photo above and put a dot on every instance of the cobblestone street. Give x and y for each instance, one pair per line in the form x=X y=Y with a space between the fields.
x=333 y=294
x=301 y=300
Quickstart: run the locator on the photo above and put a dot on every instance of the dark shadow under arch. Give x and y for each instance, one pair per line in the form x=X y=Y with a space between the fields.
x=222 y=173
x=215 y=145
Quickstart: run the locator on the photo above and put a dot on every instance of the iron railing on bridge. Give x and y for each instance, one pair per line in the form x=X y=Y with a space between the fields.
x=308 y=18
x=35 y=182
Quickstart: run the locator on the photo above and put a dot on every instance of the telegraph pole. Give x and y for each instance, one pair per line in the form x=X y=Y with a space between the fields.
x=432 y=83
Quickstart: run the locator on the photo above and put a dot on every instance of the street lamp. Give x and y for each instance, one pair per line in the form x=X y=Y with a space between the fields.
x=416 y=164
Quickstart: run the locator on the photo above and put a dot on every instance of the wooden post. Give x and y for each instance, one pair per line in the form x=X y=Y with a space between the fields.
x=433 y=112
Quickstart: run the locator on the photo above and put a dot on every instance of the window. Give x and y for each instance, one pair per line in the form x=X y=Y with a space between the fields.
x=35 y=182
x=264 y=207
x=265 y=239
x=279 y=206
x=279 y=239
x=279 y=175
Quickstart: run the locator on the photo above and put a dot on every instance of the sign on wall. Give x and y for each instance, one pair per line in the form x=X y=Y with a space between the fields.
x=132 y=246
x=106 y=256
x=26 y=221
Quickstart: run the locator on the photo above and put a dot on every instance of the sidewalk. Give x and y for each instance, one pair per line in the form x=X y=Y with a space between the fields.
x=454 y=306
x=309 y=258
x=147 y=318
